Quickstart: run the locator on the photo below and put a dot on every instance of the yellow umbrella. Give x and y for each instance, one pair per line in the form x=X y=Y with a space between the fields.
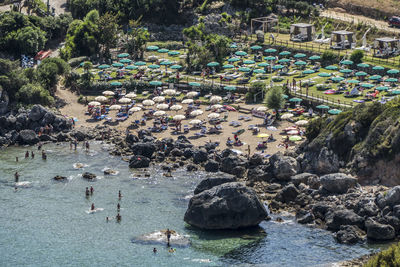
x=263 y=135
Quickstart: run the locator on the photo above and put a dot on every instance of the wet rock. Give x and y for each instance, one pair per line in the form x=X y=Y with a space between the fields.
x=109 y=172
x=211 y=166
x=304 y=217
x=288 y=194
x=59 y=178
x=337 y=183
x=366 y=208
x=306 y=178
x=139 y=162
x=191 y=167
x=27 y=137
x=37 y=112
x=349 y=234
x=378 y=231
x=284 y=167
x=89 y=176
x=344 y=217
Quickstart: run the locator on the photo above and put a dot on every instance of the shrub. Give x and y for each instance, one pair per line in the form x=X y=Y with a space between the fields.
x=327 y=58
x=34 y=94
x=357 y=56
x=275 y=98
x=388 y=257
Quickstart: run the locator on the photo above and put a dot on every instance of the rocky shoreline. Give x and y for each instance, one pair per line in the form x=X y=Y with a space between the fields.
x=333 y=201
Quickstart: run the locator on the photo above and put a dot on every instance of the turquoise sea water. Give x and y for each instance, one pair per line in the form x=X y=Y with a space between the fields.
x=46 y=223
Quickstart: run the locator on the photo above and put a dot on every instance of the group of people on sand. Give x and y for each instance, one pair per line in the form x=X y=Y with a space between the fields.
x=89 y=192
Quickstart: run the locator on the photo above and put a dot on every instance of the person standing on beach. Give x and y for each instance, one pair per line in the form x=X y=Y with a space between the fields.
x=248 y=151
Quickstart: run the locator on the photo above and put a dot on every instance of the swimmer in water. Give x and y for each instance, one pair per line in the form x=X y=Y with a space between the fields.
x=106 y=219
x=91 y=190
x=87 y=191
x=32 y=155
x=118 y=217
x=118 y=207
x=44 y=156
x=154 y=250
x=92 y=207
x=16 y=175
x=119 y=194
x=75 y=144
x=27 y=154
x=16 y=159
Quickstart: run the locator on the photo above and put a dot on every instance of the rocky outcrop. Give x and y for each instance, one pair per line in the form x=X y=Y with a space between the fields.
x=211 y=166
x=144 y=149
x=284 y=167
x=337 y=183
x=378 y=231
x=89 y=176
x=210 y=182
x=349 y=234
x=139 y=162
x=27 y=137
x=343 y=217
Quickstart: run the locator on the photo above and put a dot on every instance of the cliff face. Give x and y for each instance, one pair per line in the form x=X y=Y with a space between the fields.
x=365 y=141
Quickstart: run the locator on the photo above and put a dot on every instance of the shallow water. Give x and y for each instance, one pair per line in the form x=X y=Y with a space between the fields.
x=47 y=223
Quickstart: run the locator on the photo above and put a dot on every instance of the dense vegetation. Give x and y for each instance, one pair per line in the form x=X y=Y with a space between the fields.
x=386 y=258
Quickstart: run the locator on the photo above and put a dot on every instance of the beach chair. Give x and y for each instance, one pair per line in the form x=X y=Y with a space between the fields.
x=185 y=129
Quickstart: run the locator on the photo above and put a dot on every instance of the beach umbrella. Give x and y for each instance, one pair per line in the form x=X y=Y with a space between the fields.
x=194 y=84
x=228 y=66
x=122 y=55
x=322 y=107
x=162 y=106
x=116 y=84
x=255 y=47
x=158 y=99
x=176 y=107
x=262 y=109
x=194 y=122
x=284 y=60
x=117 y=65
x=270 y=58
x=213 y=115
x=292 y=132
x=217 y=106
x=392 y=71
x=153 y=48
x=277 y=67
x=395 y=92
x=166 y=63
x=346 y=62
x=295 y=138
x=124 y=100
x=125 y=61
x=248 y=62
x=300 y=63
x=240 y=53
x=135 y=109
x=155 y=83
x=196 y=112
x=178 y=117
x=187 y=101
x=213 y=64
x=285 y=96
x=353 y=81
x=361 y=73
x=367 y=85
x=140 y=63
x=391 y=80
x=346 y=71
x=270 y=50
x=287 y=116
x=131 y=95
x=308 y=71
x=295 y=99
x=378 y=68
x=284 y=53
x=192 y=94
x=101 y=98
x=263 y=135
x=324 y=74
x=331 y=67
x=131 y=67
x=363 y=65
x=159 y=113
x=334 y=111
x=162 y=50
x=375 y=77
x=263 y=64
x=301 y=123
x=244 y=69
x=337 y=79
x=176 y=67
x=382 y=88
x=115 y=107
x=108 y=93
x=230 y=88
x=259 y=71
x=148 y=102
x=153 y=66
x=300 y=55
x=173 y=53
x=233 y=46
x=233 y=59
x=104 y=66
x=315 y=57
x=215 y=99
x=169 y=92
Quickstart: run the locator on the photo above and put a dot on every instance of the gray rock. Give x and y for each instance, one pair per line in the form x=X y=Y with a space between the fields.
x=210 y=182
x=191 y=167
x=88 y=175
x=37 y=113
x=378 y=231
x=284 y=167
x=187 y=153
x=211 y=166
x=344 y=217
x=337 y=183
x=131 y=139
x=326 y=162
x=239 y=171
x=27 y=137
x=144 y=149
x=60 y=178
x=366 y=208
x=391 y=198
x=200 y=155
x=142 y=133
x=256 y=160
x=302 y=178
x=288 y=193
x=304 y=217
x=176 y=152
x=226 y=206
x=139 y=161
x=349 y=234
x=258 y=174
x=48 y=118
x=396 y=211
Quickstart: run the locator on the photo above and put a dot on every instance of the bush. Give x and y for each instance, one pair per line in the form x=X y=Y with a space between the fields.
x=357 y=56
x=275 y=98
x=389 y=257
x=74 y=62
x=34 y=94
x=327 y=58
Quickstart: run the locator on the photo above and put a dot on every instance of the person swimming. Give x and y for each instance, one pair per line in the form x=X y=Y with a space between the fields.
x=171 y=250
x=119 y=217
x=87 y=191
x=92 y=207
x=27 y=154
x=118 y=207
x=44 y=156
x=87 y=145
x=16 y=175
x=16 y=159
x=154 y=250
x=107 y=219
x=39 y=146
x=119 y=194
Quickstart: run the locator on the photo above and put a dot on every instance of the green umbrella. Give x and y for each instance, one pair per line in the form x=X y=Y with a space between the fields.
x=345 y=71
x=140 y=63
x=331 y=67
x=337 y=79
x=118 y=65
x=244 y=69
x=334 y=111
x=375 y=77
x=285 y=96
x=115 y=84
x=248 y=62
x=314 y=57
x=263 y=64
x=391 y=80
x=131 y=67
x=154 y=66
x=277 y=67
x=162 y=50
x=353 y=81
x=363 y=65
x=300 y=63
x=230 y=88
x=255 y=47
x=378 y=68
x=228 y=66
x=270 y=50
x=122 y=55
x=382 y=88
x=194 y=84
x=240 y=53
x=125 y=60
x=233 y=46
x=322 y=107
x=173 y=53
x=300 y=55
x=324 y=74
x=213 y=64
x=259 y=71
x=155 y=83
x=367 y=85
x=361 y=73
x=295 y=138
x=295 y=99
x=284 y=53
x=395 y=92
x=284 y=60
x=176 y=67
x=152 y=47
x=233 y=59
x=308 y=71
x=269 y=58
x=392 y=71
x=346 y=62
x=104 y=66
x=166 y=63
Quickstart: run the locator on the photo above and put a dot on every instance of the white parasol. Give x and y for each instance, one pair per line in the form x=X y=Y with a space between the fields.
x=176 y=107
x=195 y=122
x=217 y=106
x=109 y=93
x=262 y=109
x=187 y=101
x=159 y=113
x=135 y=109
x=286 y=116
x=215 y=99
x=159 y=99
x=179 y=117
x=213 y=115
x=148 y=102
x=101 y=98
x=191 y=94
x=169 y=92
x=94 y=103
x=196 y=112
x=162 y=106
x=125 y=100
x=131 y=95
x=301 y=123
x=115 y=107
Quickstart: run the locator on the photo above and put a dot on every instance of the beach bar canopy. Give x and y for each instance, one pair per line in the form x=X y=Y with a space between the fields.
x=386 y=47
x=302 y=32
x=343 y=40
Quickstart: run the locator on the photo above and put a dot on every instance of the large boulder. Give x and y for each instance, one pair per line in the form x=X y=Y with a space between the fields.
x=226 y=206
x=37 y=113
x=48 y=118
x=27 y=137
x=349 y=234
x=391 y=198
x=139 y=161
x=284 y=167
x=378 y=231
x=210 y=182
x=288 y=193
x=337 y=183
x=200 y=155
x=144 y=149
x=343 y=217
x=229 y=163
x=89 y=176
x=211 y=166
x=131 y=138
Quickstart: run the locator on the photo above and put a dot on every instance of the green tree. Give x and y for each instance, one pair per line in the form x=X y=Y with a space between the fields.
x=357 y=56
x=274 y=99
x=30 y=40
x=218 y=45
x=327 y=58
x=34 y=94
x=137 y=38
x=108 y=30
x=48 y=75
